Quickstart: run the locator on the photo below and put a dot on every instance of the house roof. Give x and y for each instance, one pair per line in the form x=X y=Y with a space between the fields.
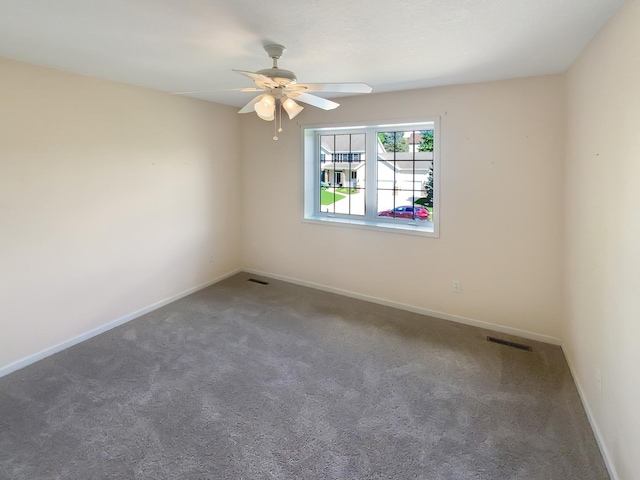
x=405 y=156
x=346 y=143
x=414 y=138
x=353 y=166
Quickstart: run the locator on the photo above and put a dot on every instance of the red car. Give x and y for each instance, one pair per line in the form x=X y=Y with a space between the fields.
x=408 y=211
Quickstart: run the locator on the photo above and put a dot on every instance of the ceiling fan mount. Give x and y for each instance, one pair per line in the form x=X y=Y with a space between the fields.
x=275 y=51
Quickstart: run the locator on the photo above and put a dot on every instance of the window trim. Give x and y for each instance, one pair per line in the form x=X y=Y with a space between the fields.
x=311 y=166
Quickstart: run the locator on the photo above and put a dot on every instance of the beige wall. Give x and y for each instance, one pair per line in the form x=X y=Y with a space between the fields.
x=501 y=215
x=112 y=198
x=603 y=234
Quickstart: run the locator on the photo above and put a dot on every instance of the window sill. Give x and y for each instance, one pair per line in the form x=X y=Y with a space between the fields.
x=426 y=229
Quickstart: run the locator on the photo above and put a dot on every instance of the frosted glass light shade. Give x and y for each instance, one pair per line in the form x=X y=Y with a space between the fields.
x=292 y=108
x=268 y=119
x=266 y=107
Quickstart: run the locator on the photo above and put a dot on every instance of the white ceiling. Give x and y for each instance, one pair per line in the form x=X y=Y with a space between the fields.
x=178 y=45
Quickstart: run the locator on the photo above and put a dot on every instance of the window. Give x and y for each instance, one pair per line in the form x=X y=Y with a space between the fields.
x=374 y=176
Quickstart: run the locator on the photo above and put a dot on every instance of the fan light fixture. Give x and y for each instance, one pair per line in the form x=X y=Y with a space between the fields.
x=268 y=107
x=280 y=87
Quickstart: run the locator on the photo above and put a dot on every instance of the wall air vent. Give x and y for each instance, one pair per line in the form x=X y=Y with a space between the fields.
x=261 y=282
x=519 y=346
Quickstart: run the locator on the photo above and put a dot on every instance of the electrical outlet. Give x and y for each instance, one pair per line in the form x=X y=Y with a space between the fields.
x=211 y=258
x=599 y=381
x=456 y=287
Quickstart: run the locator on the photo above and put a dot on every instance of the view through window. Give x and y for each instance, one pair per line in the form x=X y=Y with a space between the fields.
x=373 y=175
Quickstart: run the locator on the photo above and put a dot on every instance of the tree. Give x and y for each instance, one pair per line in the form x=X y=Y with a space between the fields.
x=394 y=141
x=429 y=187
x=426 y=143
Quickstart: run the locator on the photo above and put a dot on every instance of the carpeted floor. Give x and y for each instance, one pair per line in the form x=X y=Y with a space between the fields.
x=251 y=381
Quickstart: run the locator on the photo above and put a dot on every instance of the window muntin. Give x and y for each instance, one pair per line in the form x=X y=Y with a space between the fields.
x=374 y=175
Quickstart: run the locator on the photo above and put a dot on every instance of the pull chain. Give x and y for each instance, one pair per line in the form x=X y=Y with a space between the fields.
x=275 y=125
x=278 y=118
x=275 y=133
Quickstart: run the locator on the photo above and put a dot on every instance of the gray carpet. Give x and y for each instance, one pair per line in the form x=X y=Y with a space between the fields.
x=250 y=381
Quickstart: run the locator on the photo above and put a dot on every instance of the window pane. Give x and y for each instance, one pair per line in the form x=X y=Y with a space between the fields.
x=342 y=174
x=405 y=167
x=327 y=200
x=386 y=202
x=406 y=197
x=350 y=201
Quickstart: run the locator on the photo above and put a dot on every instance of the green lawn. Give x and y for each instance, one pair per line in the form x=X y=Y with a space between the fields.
x=327 y=198
x=346 y=190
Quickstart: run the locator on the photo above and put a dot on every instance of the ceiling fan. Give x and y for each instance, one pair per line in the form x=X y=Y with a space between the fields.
x=281 y=91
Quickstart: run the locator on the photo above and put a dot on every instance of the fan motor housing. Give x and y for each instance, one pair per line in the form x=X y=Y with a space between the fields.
x=279 y=75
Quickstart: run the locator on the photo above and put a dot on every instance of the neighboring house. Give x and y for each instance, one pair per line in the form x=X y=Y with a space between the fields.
x=407 y=171
x=342 y=160
x=414 y=141
x=342 y=164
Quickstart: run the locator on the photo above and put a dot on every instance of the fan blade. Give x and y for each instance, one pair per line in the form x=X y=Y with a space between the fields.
x=249 y=106
x=257 y=77
x=331 y=87
x=251 y=89
x=319 y=102
x=195 y=91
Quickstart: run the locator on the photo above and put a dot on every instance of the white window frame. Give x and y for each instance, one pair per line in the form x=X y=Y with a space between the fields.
x=311 y=156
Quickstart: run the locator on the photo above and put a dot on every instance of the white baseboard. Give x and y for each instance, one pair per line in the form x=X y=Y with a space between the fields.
x=410 y=308
x=23 y=362
x=592 y=421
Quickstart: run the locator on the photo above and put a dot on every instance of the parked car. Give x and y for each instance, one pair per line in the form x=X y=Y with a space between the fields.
x=407 y=211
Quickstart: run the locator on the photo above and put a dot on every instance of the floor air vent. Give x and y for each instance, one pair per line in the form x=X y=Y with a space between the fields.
x=261 y=282
x=519 y=346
